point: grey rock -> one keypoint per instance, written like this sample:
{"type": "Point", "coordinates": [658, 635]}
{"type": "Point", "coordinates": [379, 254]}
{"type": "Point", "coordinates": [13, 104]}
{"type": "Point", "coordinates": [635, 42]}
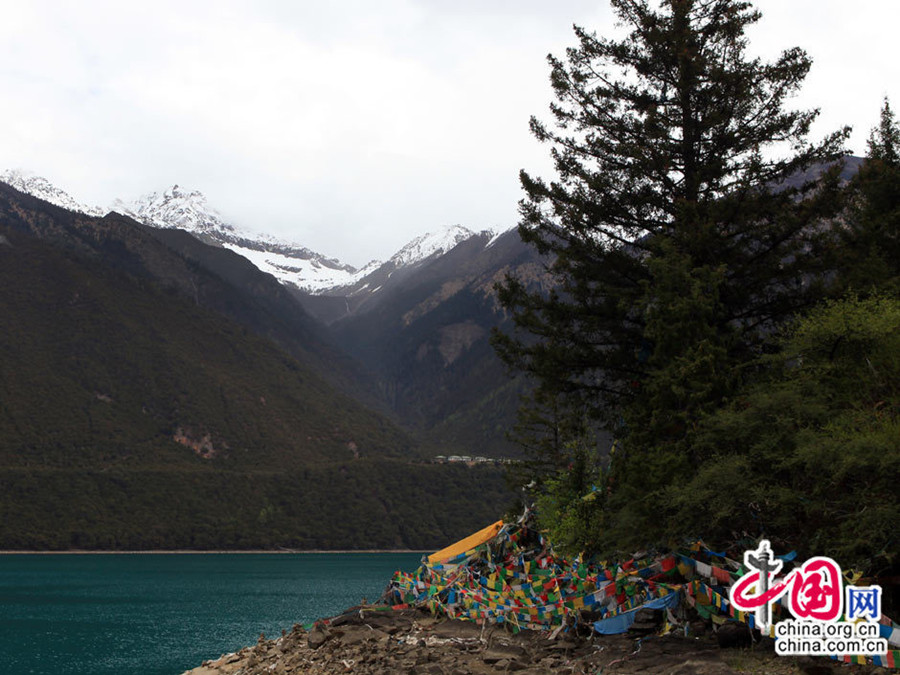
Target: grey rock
{"type": "Point", "coordinates": [700, 666]}
{"type": "Point", "coordinates": [563, 646]}
{"type": "Point", "coordinates": [734, 634]}
{"type": "Point", "coordinates": [697, 627]}
{"type": "Point", "coordinates": [811, 666]}
{"type": "Point", "coordinates": [457, 629]}
{"type": "Point", "coordinates": [317, 637]}
{"type": "Point", "coordinates": [504, 652]}
{"type": "Point", "coordinates": [515, 666]}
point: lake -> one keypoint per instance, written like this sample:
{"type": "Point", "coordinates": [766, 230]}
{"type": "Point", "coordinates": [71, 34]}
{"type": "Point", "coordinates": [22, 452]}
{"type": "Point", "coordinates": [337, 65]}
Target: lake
{"type": "Point", "coordinates": [165, 613]}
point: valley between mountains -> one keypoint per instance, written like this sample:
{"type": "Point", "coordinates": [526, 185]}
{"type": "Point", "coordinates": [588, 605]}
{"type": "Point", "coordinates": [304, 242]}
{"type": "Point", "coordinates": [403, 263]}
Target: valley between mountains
{"type": "Point", "coordinates": [171, 381]}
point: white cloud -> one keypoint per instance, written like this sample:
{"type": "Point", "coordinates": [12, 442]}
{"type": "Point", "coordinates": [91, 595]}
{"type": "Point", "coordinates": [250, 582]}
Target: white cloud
{"type": "Point", "coordinates": [347, 126]}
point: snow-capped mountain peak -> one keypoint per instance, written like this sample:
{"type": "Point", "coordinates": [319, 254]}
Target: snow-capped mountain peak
{"type": "Point", "coordinates": [432, 243]}
{"type": "Point", "coordinates": [176, 207]}
{"type": "Point", "coordinates": [40, 187]}
{"type": "Point", "coordinates": [292, 264]}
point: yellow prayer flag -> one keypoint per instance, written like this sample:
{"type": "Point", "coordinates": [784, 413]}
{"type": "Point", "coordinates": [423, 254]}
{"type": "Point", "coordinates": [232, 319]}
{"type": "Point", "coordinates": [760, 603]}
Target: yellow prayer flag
{"type": "Point", "coordinates": [468, 544]}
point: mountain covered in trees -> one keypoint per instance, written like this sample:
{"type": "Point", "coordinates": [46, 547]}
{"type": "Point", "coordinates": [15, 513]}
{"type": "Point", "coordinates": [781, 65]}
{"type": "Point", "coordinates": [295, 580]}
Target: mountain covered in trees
{"type": "Point", "coordinates": [409, 336]}
{"type": "Point", "coordinates": [159, 392]}
{"type": "Point", "coordinates": [423, 331]}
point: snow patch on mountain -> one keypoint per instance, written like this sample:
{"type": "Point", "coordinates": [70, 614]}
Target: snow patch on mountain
{"type": "Point", "coordinates": [431, 244]}
{"type": "Point", "coordinates": [40, 187]}
{"type": "Point", "coordinates": [497, 233]}
{"type": "Point", "coordinates": [290, 263]}
{"type": "Point", "coordinates": [313, 274]}
{"type": "Point", "coordinates": [176, 208]}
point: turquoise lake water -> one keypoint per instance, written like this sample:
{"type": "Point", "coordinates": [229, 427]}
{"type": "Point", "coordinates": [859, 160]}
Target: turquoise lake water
{"type": "Point", "coordinates": [166, 613]}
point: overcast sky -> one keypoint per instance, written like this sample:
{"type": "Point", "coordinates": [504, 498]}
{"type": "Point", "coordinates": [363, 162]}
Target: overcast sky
{"type": "Point", "coordinates": [348, 126]}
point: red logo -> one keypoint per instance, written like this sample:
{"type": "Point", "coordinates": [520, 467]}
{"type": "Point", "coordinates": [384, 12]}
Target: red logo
{"type": "Point", "coordinates": [816, 588]}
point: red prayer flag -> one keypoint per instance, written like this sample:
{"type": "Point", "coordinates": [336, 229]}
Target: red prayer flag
{"type": "Point", "coordinates": [721, 575]}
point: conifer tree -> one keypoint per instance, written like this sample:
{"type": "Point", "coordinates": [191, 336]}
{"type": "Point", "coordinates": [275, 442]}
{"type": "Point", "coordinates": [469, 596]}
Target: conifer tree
{"type": "Point", "coordinates": [868, 241]}
{"type": "Point", "coordinates": [884, 141]}
{"type": "Point", "coordinates": [676, 239]}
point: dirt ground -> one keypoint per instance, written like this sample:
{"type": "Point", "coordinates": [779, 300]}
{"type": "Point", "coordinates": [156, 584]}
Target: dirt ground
{"type": "Point", "coordinates": [368, 641]}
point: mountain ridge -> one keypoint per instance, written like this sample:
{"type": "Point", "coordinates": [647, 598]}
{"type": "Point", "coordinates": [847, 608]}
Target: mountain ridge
{"type": "Point", "coordinates": [140, 416]}
{"type": "Point", "coordinates": [418, 324]}
{"type": "Point", "coordinates": [291, 263]}
{"type": "Point", "coordinates": [40, 187]}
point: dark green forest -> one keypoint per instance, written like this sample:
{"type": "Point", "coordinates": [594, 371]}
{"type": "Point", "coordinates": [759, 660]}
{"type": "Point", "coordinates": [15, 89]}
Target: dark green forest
{"type": "Point", "coordinates": [107, 363]}
{"type": "Point", "coordinates": [367, 504]}
{"type": "Point", "coordinates": [134, 417]}
{"type": "Point", "coordinates": [726, 302]}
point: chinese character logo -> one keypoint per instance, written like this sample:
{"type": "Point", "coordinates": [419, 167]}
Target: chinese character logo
{"type": "Point", "coordinates": [814, 591]}
{"type": "Point", "coordinates": [863, 603]}
{"type": "Point", "coordinates": [767, 566]}
{"type": "Point", "coordinates": [816, 588]}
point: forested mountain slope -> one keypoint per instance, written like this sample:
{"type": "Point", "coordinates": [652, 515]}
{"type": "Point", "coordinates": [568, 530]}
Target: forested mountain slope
{"type": "Point", "coordinates": [133, 415]}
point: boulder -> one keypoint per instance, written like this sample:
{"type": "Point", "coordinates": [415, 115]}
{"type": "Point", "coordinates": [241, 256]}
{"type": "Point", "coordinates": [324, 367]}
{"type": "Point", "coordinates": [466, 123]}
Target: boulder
{"type": "Point", "coordinates": [496, 653]}
{"type": "Point", "coordinates": [734, 634]}
{"type": "Point", "coordinates": [646, 621]}
{"type": "Point", "coordinates": [318, 636]}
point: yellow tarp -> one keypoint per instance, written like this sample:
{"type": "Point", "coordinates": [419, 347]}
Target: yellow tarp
{"type": "Point", "coordinates": [466, 544]}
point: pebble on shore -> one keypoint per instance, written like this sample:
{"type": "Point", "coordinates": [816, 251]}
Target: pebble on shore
{"type": "Point", "coordinates": [368, 641]}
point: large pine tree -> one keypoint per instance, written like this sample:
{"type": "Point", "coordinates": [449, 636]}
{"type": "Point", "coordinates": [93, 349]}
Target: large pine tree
{"type": "Point", "coordinates": [868, 235]}
{"type": "Point", "coordinates": [676, 228]}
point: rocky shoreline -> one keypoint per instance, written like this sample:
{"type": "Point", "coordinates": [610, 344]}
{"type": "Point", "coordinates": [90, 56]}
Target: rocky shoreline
{"type": "Point", "coordinates": [369, 640]}
{"type": "Point", "coordinates": [191, 551]}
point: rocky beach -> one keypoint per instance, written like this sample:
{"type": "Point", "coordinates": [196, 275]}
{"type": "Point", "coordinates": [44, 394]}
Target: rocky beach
{"type": "Point", "coordinates": [373, 641]}
{"type": "Point", "coordinates": [501, 601]}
